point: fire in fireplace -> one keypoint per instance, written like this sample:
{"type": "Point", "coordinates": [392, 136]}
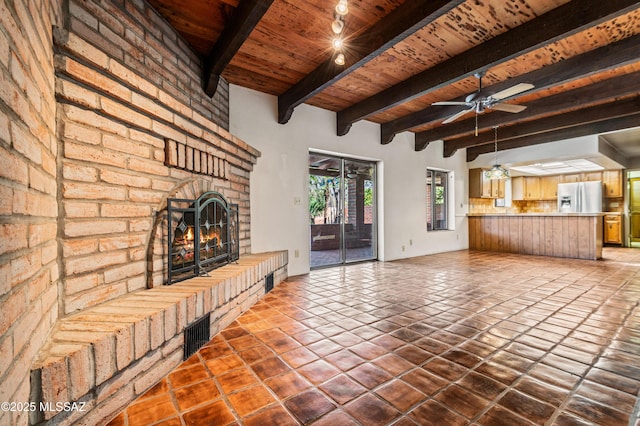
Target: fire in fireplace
{"type": "Point", "coordinates": [203, 235]}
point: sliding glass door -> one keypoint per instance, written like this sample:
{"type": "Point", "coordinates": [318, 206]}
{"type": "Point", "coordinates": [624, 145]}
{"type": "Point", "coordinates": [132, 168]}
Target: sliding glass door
{"type": "Point", "coordinates": [341, 210]}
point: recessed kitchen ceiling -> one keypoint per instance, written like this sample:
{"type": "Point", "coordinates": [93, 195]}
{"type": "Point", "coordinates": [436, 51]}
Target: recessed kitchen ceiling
{"type": "Point", "coordinates": [627, 142]}
{"type": "Point", "coordinates": [558, 167]}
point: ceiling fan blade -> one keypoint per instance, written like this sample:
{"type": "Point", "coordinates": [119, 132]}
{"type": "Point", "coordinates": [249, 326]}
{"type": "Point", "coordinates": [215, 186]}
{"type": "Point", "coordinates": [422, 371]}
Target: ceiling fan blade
{"type": "Point", "coordinates": [450, 103]}
{"type": "Point", "coordinates": [508, 107]}
{"type": "Point", "coordinates": [512, 91]}
{"type": "Point", "coordinates": [456, 116]}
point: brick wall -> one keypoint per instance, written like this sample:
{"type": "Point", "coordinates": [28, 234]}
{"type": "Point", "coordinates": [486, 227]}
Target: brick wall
{"type": "Point", "coordinates": [128, 86]}
{"type": "Point", "coordinates": [29, 272]}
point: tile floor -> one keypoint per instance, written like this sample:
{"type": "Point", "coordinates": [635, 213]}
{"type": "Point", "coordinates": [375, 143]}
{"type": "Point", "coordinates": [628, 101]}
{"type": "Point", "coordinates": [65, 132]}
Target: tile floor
{"type": "Point", "coordinates": [450, 339]}
{"type": "Point", "coordinates": [321, 258]}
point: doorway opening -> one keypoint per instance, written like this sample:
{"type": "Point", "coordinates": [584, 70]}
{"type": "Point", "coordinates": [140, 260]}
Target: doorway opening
{"type": "Point", "coordinates": [634, 211]}
{"type": "Point", "coordinates": [342, 214]}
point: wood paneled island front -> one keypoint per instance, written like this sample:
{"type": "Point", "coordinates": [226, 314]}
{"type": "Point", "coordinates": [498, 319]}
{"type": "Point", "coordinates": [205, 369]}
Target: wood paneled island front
{"type": "Point", "coordinates": [574, 235]}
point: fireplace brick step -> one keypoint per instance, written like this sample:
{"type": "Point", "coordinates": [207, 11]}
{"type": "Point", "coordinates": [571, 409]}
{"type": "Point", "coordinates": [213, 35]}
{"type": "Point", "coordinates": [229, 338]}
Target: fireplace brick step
{"type": "Point", "coordinates": [103, 355]}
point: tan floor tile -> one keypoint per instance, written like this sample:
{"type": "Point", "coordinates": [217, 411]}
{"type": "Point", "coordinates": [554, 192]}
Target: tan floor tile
{"type": "Point", "coordinates": [400, 395]}
{"type": "Point", "coordinates": [190, 396]}
{"type": "Point", "coordinates": [309, 405]}
{"type": "Point", "coordinates": [237, 379]}
{"type": "Point", "coordinates": [250, 400]}
{"type": "Point", "coordinates": [371, 410]}
{"type": "Point", "coordinates": [288, 384]}
{"type": "Point", "coordinates": [215, 413]}
{"type": "Point", "coordinates": [151, 410]}
{"type": "Point", "coordinates": [186, 376]}
{"type": "Point", "coordinates": [318, 371]}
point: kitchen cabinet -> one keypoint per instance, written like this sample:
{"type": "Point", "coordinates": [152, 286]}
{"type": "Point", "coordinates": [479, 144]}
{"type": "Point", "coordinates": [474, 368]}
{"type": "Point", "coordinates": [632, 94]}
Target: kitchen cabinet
{"type": "Point", "coordinates": [479, 184]}
{"type": "Point", "coordinates": [612, 180]}
{"type": "Point", "coordinates": [591, 176]}
{"type": "Point", "coordinates": [549, 187]}
{"type": "Point", "coordinates": [525, 188]}
{"type": "Point", "coordinates": [612, 229]}
{"type": "Point", "coordinates": [497, 188]}
{"type": "Point", "coordinates": [571, 177]}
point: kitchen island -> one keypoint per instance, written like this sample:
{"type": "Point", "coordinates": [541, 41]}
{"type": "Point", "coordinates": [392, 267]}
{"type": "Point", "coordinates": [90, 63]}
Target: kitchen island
{"type": "Point", "coordinates": [573, 235]}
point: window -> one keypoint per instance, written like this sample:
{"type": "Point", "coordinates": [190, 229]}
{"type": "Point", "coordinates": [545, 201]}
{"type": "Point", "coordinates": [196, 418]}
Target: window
{"type": "Point", "coordinates": [437, 200]}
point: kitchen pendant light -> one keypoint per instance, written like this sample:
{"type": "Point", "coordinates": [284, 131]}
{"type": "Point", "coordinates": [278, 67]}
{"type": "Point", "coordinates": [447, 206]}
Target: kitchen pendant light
{"type": "Point", "coordinates": [496, 171]}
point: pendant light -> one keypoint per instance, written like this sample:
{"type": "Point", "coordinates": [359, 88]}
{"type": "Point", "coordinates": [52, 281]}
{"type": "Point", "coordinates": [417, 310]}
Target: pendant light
{"type": "Point", "coordinates": [496, 171]}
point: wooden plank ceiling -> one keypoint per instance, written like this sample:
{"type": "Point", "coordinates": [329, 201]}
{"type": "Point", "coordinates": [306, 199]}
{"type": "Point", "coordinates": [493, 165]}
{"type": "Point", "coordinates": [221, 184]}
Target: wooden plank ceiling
{"type": "Point", "coordinates": [582, 56]}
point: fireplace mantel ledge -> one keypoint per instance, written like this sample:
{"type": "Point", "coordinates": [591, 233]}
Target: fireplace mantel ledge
{"type": "Point", "coordinates": [108, 354]}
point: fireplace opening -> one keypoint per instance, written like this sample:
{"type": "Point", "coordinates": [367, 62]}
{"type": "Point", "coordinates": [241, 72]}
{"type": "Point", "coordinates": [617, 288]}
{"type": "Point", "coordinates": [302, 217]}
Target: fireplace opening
{"type": "Point", "coordinates": [203, 235]}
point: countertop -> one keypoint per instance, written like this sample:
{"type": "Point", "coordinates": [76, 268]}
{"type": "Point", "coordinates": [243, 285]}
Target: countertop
{"type": "Point", "coordinates": [539, 214]}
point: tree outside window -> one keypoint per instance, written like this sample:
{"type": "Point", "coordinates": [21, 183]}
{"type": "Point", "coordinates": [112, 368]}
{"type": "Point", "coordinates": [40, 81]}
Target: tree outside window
{"type": "Point", "coordinates": [437, 200]}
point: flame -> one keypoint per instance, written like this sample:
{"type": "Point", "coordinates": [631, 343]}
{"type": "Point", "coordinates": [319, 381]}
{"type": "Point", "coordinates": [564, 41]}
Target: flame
{"type": "Point", "coordinates": [189, 235]}
{"type": "Point", "coordinates": [215, 236]}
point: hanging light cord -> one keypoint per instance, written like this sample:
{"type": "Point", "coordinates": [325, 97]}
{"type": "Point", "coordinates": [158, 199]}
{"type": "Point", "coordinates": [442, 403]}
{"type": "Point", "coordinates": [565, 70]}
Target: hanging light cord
{"type": "Point", "coordinates": [495, 144]}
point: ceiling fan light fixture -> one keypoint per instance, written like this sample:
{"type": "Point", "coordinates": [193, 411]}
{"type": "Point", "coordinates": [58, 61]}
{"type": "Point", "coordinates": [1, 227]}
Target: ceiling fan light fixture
{"type": "Point", "coordinates": [477, 104]}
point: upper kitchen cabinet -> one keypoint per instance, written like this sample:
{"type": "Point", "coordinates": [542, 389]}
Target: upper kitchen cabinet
{"type": "Point", "coordinates": [482, 187]}
{"type": "Point", "coordinates": [549, 187]}
{"type": "Point", "coordinates": [497, 188]}
{"type": "Point", "coordinates": [571, 177]}
{"type": "Point", "coordinates": [612, 180]}
{"type": "Point", "coordinates": [591, 176]}
{"type": "Point", "coordinates": [479, 184]}
{"type": "Point", "coordinates": [525, 188]}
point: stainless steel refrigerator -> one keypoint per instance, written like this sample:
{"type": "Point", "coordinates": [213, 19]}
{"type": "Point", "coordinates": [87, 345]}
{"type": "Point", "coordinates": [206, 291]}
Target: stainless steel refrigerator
{"type": "Point", "coordinates": [580, 197]}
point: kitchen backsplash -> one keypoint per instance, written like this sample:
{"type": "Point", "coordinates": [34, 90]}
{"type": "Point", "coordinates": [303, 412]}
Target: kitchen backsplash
{"type": "Point", "coordinates": [487, 205]}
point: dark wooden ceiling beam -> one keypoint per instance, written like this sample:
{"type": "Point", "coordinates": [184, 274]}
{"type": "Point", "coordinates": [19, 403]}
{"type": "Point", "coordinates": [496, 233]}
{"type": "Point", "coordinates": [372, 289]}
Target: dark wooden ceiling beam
{"type": "Point", "coordinates": [605, 58]}
{"type": "Point", "coordinates": [399, 24]}
{"type": "Point", "coordinates": [243, 21]}
{"type": "Point", "coordinates": [582, 97]}
{"type": "Point", "coordinates": [594, 120]}
{"type": "Point", "coordinates": [558, 23]}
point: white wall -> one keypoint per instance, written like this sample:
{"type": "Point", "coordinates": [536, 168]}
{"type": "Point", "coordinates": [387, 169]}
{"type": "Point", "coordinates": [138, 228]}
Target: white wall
{"type": "Point", "coordinates": [279, 213]}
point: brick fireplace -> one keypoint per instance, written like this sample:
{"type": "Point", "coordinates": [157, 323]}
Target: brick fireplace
{"type": "Point", "coordinates": [108, 123]}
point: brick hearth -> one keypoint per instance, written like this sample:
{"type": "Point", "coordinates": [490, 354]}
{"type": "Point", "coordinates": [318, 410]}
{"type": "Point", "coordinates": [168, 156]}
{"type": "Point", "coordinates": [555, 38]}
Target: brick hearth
{"type": "Point", "coordinates": [108, 354]}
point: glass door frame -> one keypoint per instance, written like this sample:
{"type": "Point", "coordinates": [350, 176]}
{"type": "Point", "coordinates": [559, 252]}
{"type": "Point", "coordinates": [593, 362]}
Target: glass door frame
{"type": "Point", "coordinates": [632, 241]}
{"type": "Point", "coordinates": [344, 179]}
{"type": "Point", "coordinates": [374, 222]}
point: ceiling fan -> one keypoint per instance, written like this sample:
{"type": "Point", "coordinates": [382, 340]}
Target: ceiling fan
{"type": "Point", "coordinates": [478, 104]}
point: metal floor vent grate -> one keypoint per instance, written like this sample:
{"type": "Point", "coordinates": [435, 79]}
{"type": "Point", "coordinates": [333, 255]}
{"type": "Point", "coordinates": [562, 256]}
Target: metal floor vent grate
{"type": "Point", "coordinates": [268, 283]}
{"type": "Point", "coordinates": [196, 336]}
